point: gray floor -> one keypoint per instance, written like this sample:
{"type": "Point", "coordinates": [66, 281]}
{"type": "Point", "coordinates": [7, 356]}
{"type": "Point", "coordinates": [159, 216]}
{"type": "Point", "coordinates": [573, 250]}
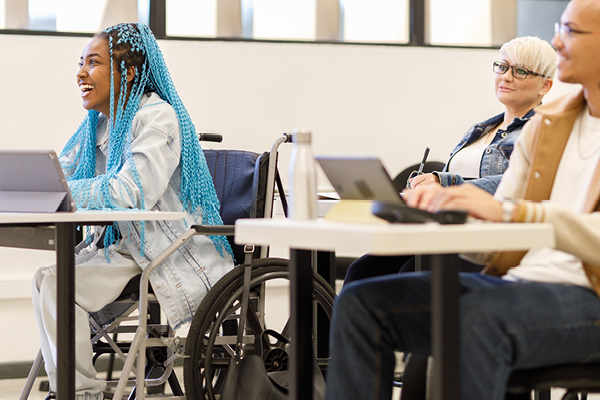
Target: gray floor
{"type": "Point", "coordinates": [10, 389]}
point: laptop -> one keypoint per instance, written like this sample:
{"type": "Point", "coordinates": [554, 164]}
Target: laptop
{"type": "Point", "coordinates": [33, 181]}
{"type": "Point", "coordinates": [365, 178]}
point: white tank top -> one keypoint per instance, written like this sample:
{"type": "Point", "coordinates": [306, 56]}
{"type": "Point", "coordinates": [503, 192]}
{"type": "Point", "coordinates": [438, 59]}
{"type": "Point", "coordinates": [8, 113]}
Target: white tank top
{"type": "Point", "coordinates": [466, 162]}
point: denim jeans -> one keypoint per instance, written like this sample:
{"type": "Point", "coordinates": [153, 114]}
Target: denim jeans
{"type": "Point", "coordinates": [503, 326]}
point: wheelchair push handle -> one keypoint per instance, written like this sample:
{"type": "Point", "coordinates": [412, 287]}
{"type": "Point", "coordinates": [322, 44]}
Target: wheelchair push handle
{"type": "Point", "coordinates": [210, 137]}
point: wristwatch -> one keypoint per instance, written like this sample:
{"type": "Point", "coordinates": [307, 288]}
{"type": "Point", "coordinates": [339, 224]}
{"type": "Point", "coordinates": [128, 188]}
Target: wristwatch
{"type": "Point", "coordinates": [508, 207]}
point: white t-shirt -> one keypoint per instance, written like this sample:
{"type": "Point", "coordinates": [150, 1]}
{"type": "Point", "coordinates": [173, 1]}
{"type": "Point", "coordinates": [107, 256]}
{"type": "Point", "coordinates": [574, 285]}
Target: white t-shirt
{"type": "Point", "coordinates": [466, 162]}
{"type": "Point", "coordinates": [573, 177]}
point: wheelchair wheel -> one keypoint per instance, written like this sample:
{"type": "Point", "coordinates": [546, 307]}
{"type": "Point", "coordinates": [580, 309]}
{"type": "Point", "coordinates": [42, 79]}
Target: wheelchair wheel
{"type": "Point", "coordinates": [211, 339]}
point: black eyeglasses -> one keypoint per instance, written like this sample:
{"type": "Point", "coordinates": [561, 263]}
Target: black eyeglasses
{"type": "Point", "coordinates": [517, 72]}
{"type": "Point", "coordinates": [562, 31]}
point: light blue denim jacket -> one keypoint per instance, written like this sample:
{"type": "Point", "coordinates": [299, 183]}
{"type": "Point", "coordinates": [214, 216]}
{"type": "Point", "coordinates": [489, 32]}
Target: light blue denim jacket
{"type": "Point", "coordinates": [495, 157]}
{"type": "Point", "coordinates": [181, 282]}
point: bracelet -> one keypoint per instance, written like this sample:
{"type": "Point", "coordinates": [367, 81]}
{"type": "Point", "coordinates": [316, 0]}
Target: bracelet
{"type": "Point", "coordinates": [520, 214]}
{"type": "Point", "coordinates": [508, 207]}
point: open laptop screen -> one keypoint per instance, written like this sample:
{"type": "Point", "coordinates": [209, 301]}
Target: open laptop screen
{"type": "Point", "coordinates": [365, 178]}
{"type": "Point", "coordinates": [359, 178]}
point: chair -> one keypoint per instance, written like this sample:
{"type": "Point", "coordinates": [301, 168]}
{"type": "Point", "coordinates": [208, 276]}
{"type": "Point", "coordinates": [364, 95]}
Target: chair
{"type": "Point", "coordinates": [430, 166]}
{"type": "Point", "coordinates": [245, 184]}
{"type": "Point", "coordinates": [576, 378]}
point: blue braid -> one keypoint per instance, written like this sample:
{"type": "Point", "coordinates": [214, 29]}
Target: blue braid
{"type": "Point", "coordinates": [197, 192]}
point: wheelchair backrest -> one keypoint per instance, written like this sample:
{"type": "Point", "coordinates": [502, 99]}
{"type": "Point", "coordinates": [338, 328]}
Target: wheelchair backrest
{"type": "Point", "coordinates": [240, 179]}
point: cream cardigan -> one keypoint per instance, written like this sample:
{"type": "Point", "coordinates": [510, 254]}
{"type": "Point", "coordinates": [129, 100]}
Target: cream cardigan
{"type": "Point", "coordinates": [530, 177]}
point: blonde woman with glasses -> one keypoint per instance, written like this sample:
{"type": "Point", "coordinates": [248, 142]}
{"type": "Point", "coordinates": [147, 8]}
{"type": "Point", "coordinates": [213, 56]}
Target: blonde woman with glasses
{"type": "Point", "coordinates": [524, 75]}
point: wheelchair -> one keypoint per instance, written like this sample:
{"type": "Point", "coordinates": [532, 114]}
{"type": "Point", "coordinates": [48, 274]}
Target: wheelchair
{"type": "Point", "coordinates": [245, 183]}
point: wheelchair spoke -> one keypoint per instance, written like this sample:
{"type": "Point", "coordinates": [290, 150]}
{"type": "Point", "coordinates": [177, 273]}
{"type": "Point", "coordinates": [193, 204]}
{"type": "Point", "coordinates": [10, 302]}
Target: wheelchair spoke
{"type": "Point", "coordinates": [211, 341]}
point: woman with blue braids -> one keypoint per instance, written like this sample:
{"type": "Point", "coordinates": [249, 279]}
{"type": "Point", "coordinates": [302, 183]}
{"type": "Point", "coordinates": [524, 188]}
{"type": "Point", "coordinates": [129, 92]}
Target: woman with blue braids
{"type": "Point", "coordinates": [137, 148]}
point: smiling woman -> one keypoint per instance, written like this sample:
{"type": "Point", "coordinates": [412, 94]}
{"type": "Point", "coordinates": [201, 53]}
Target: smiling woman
{"type": "Point", "coordinates": [137, 148]}
{"type": "Point", "coordinates": [93, 76]}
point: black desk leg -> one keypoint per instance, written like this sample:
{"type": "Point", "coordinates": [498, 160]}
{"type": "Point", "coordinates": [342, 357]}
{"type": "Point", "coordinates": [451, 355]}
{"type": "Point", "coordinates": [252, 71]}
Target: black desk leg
{"type": "Point", "coordinates": [325, 268]}
{"type": "Point", "coordinates": [301, 324]}
{"type": "Point", "coordinates": [444, 324]}
{"type": "Point", "coordinates": [65, 268]}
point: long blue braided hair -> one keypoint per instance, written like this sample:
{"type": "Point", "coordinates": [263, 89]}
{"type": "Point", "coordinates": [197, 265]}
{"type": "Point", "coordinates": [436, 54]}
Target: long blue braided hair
{"type": "Point", "coordinates": [133, 44]}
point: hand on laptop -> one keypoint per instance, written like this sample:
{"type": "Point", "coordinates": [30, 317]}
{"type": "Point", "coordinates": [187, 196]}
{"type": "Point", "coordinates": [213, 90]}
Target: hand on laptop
{"type": "Point", "coordinates": [423, 179]}
{"type": "Point", "coordinates": [477, 202]}
{"type": "Point", "coordinates": [422, 196]}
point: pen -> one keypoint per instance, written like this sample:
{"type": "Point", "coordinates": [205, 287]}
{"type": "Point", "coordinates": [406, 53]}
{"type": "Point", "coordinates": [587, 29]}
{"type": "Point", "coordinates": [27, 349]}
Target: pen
{"type": "Point", "coordinates": [420, 171]}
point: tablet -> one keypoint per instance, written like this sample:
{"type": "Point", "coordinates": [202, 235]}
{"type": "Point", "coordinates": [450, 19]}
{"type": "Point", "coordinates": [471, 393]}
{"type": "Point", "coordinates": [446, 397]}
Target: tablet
{"type": "Point", "coordinates": [33, 181]}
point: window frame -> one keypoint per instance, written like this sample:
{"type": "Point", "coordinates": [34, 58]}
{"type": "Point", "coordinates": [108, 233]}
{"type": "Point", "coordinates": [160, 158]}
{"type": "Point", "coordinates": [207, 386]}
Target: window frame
{"type": "Point", "coordinates": [157, 22]}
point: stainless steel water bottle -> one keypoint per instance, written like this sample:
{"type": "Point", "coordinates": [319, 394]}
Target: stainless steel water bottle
{"type": "Point", "coordinates": [302, 177]}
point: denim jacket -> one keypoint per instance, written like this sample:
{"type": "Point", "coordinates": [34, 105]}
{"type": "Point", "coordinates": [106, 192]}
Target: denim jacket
{"type": "Point", "coordinates": [495, 157]}
{"type": "Point", "coordinates": [181, 282]}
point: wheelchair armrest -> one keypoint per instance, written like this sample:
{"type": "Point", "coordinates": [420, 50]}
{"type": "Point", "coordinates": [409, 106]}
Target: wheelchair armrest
{"type": "Point", "coordinates": [214, 229]}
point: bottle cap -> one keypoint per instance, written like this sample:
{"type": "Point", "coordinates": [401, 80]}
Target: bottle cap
{"type": "Point", "coordinates": [301, 135]}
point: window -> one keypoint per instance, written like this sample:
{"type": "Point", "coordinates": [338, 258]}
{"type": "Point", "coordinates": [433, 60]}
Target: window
{"type": "Point", "coordinates": [491, 22]}
{"type": "Point", "coordinates": [88, 16]}
{"type": "Point", "coordinates": [2, 14]}
{"type": "Point", "coordinates": [372, 21]}
{"type": "Point", "coordinates": [455, 22]}
{"type": "Point", "coordinates": [463, 22]}
{"type": "Point", "coordinates": [375, 21]}
{"type": "Point", "coordinates": [284, 19]}
{"type": "Point", "coordinates": [69, 17]}
{"type": "Point", "coordinates": [42, 15]}
{"type": "Point", "coordinates": [192, 18]}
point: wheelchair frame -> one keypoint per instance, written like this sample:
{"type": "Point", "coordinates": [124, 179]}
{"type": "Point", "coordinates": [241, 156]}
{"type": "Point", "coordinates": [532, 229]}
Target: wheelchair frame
{"type": "Point", "coordinates": [136, 357]}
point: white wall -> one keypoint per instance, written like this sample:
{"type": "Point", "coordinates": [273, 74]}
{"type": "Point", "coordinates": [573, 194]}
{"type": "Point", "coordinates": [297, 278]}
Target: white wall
{"type": "Point", "coordinates": [361, 100]}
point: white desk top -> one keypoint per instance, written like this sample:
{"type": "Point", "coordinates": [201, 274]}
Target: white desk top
{"type": "Point", "coordinates": [88, 216]}
{"type": "Point", "coordinates": [390, 239]}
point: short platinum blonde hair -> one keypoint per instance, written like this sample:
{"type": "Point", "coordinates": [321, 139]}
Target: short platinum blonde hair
{"type": "Point", "coordinates": [533, 53]}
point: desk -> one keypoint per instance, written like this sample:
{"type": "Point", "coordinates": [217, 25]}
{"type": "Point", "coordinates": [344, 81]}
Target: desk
{"type": "Point", "coordinates": [64, 245]}
{"type": "Point", "coordinates": [387, 239]}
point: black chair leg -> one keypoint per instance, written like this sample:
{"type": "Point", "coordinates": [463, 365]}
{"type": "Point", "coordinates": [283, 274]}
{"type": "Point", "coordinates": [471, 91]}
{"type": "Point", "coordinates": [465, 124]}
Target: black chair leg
{"type": "Point", "coordinates": [574, 395]}
{"type": "Point", "coordinates": [543, 394]}
{"type": "Point", "coordinates": [174, 385]}
{"type": "Point", "coordinates": [414, 379]}
{"type": "Point", "coordinates": [524, 396]}
{"type": "Point", "coordinates": [132, 395]}
{"type": "Point", "coordinates": [154, 368]}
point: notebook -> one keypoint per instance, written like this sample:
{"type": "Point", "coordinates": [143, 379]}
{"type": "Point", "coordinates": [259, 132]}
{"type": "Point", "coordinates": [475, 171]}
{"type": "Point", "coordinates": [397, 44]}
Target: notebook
{"type": "Point", "coordinates": [33, 181]}
{"type": "Point", "coordinates": [365, 178]}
